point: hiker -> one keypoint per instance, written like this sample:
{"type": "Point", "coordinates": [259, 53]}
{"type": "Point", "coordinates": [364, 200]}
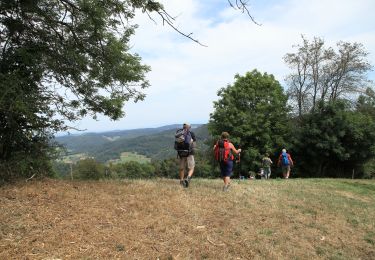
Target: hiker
{"type": "Point", "coordinates": [184, 144]}
{"type": "Point", "coordinates": [224, 151]}
{"type": "Point", "coordinates": [285, 161]}
{"type": "Point", "coordinates": [266, 165]}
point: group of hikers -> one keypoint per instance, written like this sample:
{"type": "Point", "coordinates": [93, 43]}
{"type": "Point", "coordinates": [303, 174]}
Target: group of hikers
{"type": "Point", "coordinates": [224, 151]}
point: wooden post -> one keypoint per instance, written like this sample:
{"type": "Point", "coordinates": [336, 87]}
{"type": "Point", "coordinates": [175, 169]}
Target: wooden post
{"type": "Point", "coordinates": [353, 174]}
{"type": "Point", "coordinates": [71, 171]}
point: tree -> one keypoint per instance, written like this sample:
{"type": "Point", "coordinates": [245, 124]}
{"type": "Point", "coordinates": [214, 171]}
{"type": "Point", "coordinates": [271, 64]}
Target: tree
{"type": "Point", "coordinates": [366, 102]}
{"type": "Point", "coordinates": [133, 170]}
{"type": "Point", "coordinates": [88, 169]}
{"type": "Point", "coordinates": [62, 60]}
{"type": "Point", "coordinates": [366, 105]}
{"type": "Point", "coordinates": [323, 74]}
{"type": "Point", "coordinates": [334, 140]}
{"type": "Point", "coordinates": [254, 111]}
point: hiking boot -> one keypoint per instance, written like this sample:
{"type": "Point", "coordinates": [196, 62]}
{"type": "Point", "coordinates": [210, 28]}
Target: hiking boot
{"type": "Point", "coordinates": [182, 183]}
{"type": "Point", "coordinates": [226, 187]}
{"type": "Point", "coordinates": [187, 181]}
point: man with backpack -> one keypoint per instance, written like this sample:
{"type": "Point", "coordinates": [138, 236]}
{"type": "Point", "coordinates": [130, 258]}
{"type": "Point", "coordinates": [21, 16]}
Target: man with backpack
{"type": "Point", "coordinates": [224, 154]}
{"type": "Point", "coordinates": [185, 142]}
{"type": "Point", "coordinates": [285, 161]}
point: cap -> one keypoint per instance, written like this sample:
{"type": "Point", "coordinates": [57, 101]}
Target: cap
{"type": "Point", "coordinates": [187, 124]}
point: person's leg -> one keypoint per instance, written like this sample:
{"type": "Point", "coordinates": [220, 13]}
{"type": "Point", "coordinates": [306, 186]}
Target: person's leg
{"type": "Point", "coordinates": [288, 172]}
{"type": "Point", "coordinates": [191, 165]}
{"type": "Point", "coordinates": [182, 169]}
{"type": "Point", "coordinates": [265, 170]}
{"type": "Point", "coordinates": [226, 180]}
{"type": "Point", "coordinates": [284, 171]}
{"type": "Point", "coordinates": [227, 172]}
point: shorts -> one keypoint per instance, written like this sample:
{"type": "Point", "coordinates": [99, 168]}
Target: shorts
{"type": "Point", "coordinates": [226, 168]}
{"type": "Point", "coordinates": [267, 171]}
{"type": "Point", "coordinates": [285, 168]}
{"type": "Point", "coordinates": [188, 162]}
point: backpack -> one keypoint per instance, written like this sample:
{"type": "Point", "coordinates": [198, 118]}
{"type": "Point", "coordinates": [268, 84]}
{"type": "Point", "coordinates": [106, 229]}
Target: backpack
{"type": "Point", "coordinates": [223, 152]}
{"type": "Point", "coordinates": [266, 162]}
{"type": "Point", "coordinates": [182, 143]}
{"type": "Point", "coordinates": [284, 159]}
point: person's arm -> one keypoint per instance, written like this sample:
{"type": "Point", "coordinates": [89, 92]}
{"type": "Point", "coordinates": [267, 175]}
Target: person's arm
{"type": "Point", "coordinates": [234, 149]}
{"type": "Point", "coordinates": [193, 136]}
{"type": "Point", "coordinates": [194, 141]}
{"type": "Point", "coordinates": [290, 160]}
{"type": "Point", "coordinates": [279, 161]}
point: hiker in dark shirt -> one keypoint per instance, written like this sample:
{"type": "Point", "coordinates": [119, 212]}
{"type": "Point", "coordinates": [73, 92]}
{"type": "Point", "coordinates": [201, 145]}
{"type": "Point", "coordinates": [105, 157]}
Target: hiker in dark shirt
{"type": "Point", "coordinates": [185, 152]}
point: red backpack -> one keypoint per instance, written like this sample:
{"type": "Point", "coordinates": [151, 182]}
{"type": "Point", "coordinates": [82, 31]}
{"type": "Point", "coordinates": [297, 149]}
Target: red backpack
{"type": "Point", "coordinates": [223, 152]}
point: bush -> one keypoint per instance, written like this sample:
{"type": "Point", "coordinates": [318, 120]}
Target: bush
{"type": "Point", "coordinates": [369, 169]}
{"type": "Point", "coordinates": [88, 169]}
{"type": "Point", "coordinates": [132, 170]}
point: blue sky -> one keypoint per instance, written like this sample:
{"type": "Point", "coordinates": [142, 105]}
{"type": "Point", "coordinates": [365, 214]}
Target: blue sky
{"type": "Point", "coordinates": [185, 76]}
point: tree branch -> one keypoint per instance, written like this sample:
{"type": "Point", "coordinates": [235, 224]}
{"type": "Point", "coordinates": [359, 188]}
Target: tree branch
{"type": "Point", "coordinates": [168, 19]}
{"type": "Point", "coordinates": [242, 5]}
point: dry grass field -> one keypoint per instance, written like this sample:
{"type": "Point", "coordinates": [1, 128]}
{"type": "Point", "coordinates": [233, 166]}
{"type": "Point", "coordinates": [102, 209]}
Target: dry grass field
{"type": "Point", "coordinates": [158, 219]}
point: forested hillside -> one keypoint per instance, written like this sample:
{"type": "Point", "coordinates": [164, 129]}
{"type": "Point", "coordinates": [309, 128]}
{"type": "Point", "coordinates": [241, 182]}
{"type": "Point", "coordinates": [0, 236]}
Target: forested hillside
{"type": "Point", "coordinates": [155, 143]}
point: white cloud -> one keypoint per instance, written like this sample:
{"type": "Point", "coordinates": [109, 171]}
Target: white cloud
{"type": "Point", "coordinates": [185, 76]}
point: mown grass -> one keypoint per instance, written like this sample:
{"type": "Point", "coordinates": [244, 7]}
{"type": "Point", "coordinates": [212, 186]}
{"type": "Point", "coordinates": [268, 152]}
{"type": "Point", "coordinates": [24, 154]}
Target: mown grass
{"type": "Point", "coordinates": [139, 219]}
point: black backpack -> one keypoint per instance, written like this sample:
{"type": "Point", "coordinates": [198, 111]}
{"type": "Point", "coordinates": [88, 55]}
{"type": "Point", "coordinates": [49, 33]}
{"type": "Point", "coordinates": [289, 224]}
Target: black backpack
{"type": "Point", "coordinates": [183, 142]}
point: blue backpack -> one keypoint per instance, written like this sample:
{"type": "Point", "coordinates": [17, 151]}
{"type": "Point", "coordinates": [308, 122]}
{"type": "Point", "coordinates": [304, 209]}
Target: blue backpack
{"type": "Point", "coordinates": [284, 159]}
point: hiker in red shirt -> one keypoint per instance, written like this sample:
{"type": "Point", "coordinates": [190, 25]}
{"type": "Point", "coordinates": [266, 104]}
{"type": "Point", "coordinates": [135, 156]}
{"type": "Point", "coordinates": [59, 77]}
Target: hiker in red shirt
{"type": "Point", "coordinates": [285, 161]}
{"type": "Point", "coordinates": [224, 154]}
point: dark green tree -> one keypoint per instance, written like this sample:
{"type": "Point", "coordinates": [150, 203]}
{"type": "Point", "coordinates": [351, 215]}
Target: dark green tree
{"type": "Point", "coordinates": [334, 140]}
{"type": "Point", "coordinates": [88, 169]}
{"type": "Point", "coordinates": [366, 105]}
{"type": "Point", "coordinates": [61, 60]}
{"type": "Point", "coordinates": [133, 170]}
{"type": "Point", "coordinates": [254, 112]}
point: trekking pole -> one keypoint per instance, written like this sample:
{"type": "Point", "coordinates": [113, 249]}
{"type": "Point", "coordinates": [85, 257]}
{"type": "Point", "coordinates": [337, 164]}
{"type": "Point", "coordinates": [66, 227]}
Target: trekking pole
{"type": "Point", "coordinates": [239, 164]}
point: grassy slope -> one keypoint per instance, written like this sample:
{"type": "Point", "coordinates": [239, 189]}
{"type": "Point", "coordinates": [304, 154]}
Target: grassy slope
{"type": "Point", "coordinates": [277, 219]}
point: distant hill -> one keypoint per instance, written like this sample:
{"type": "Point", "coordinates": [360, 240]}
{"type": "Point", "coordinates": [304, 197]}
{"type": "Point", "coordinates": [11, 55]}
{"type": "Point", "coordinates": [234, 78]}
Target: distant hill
{"type": "Point", "coordinates": [155, 143]}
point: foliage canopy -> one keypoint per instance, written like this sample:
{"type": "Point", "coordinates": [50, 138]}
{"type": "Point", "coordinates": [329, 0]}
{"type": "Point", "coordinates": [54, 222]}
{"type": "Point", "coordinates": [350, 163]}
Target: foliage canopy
{"type": "Point", "coordinates": [61, 60]}
{"type": "Point", "coordinates": [254, 112]}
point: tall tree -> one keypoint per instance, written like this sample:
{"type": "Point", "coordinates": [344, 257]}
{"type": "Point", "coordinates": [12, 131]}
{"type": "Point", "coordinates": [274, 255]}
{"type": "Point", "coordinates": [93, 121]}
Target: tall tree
{"type": "Point", "coordinates": [333, 140]}
{"type": "Point", "coordinates": [62, 60]}
{"type": "Point", "coordinates": [254, 111]}
{"type": "Point", "coordinates": [325, 74]}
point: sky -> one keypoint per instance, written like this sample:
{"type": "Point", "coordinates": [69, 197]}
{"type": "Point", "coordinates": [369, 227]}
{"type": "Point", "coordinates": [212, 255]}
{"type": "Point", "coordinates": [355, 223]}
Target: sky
{"type": "Point", "coordinates": [186, 76]}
